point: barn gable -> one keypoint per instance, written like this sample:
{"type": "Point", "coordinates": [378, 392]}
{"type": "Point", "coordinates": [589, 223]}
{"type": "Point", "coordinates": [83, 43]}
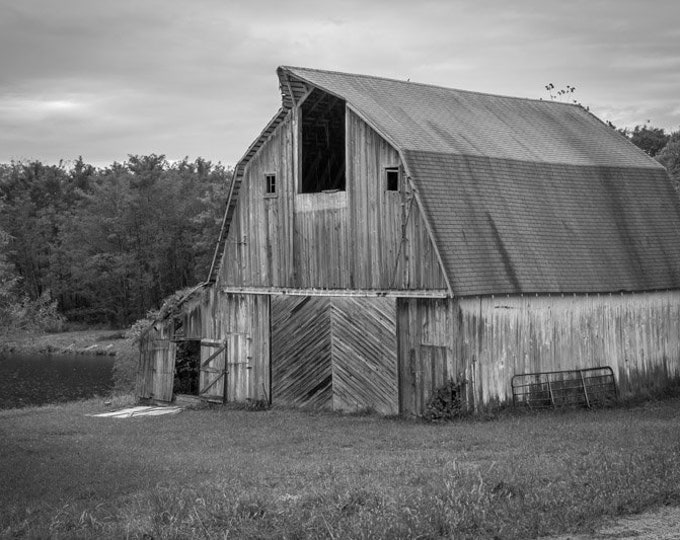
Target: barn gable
{"type": "Point", "coordinates": [341, 214]}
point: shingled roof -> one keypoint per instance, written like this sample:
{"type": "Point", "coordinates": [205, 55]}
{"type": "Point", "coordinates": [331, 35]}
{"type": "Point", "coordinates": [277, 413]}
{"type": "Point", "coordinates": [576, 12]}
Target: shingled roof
{"type": "Point", "coordinates": [522, 196]}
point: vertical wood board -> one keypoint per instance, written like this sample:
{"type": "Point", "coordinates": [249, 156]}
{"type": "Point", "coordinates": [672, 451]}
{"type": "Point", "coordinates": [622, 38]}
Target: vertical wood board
{"type": "Point", "coordinates": [427, 356]}
{"type": "Point", "coordinates": [638, 335]}
{"type": "Point", "coordinates": [363, 238]}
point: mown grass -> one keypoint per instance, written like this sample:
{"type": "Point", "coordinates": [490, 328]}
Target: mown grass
{"type": "Point", "coordinates": [221, 473]}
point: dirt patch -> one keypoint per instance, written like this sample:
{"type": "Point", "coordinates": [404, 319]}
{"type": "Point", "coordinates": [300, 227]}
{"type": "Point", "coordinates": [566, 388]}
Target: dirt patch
{"type": "Point", "coordinates": [659, 524]}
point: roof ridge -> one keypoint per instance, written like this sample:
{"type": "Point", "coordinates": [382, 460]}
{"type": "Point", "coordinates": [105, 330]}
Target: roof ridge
{"type": "Point", "coordinates": [428, 85]}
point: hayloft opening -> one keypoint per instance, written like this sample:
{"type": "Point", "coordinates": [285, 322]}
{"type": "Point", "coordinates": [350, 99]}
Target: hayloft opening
{"type": "Point", "coordinates": [323, 143]}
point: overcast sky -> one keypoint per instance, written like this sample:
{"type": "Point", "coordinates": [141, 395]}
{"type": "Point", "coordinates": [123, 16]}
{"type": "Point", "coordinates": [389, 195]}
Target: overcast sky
{"type": "Point", "coordinates": [108, 78]}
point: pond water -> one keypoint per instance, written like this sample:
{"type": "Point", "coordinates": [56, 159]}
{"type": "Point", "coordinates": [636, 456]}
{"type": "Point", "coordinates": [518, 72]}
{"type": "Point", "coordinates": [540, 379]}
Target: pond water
{"type": "Point", "coordinates": [38, 379]}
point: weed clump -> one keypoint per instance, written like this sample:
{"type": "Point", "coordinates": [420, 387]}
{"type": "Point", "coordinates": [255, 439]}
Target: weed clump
{"type": "Point", "coordinates": [447, 403]}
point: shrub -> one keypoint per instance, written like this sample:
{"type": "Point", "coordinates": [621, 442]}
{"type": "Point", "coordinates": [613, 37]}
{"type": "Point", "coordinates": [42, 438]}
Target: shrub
{"type": "Point", "coordinates": [39, 315]}
{"type": "Point", "coordinates": [447, 402]}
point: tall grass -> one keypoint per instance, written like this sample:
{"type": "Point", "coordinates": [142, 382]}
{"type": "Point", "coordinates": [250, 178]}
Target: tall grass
{"type": "Point", "coordinates": [219, 473]}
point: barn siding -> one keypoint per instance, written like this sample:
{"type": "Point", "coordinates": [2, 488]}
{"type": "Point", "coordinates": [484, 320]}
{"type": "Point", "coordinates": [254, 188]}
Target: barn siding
{"type": "Point", "coordinates": [241, 322]}
{"type": "Point", "coordinates": [338, 353]}
{"type": "Point", "coordinates": [364, 353]}
{"type": "Point", "coordinates": [301, 351]}
{"type": "Point", "coordinates": [427, 356]}
{"type": "Point", "coordinates": [638, 335]}
{"type": "Point", "coordinates": [155, 376]}
{"type": "Point", "coordinates": [361, 238]}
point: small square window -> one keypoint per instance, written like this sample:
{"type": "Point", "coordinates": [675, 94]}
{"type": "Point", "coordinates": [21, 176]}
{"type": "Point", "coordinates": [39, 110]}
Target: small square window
{"type": "Point", "coordinates": [392, 178]}
{"type": "Point", "coordinates": [270, 184]}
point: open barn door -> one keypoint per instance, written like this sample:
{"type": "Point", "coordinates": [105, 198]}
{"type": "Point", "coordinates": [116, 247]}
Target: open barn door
{"type": "Point", "coordinates": [156, 370]}
{"type": "Point", "coordinates": [163, 368]}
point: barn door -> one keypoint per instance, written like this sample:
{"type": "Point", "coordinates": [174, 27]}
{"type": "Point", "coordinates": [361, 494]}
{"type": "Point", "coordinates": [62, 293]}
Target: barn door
{"type": "Point", "coordinates": [301, 351]}
{"type": "Point", "coordinates": [213, 370]}
{"type": "Point", "coordinates": [364, 352]}
{"type": "Point", "coordinates": [424, 373]}
{"type": "Point", "coordinates": [225, 368]}
{"type": "Point", "coordinates": [163, 369]}
{"type": "Point", "coordinates": [426, 353]}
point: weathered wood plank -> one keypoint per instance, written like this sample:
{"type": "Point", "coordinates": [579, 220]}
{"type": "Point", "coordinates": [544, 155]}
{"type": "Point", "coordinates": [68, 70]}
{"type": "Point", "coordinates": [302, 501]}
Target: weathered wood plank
{"type": "Point", "coordinates": [638, 335]}
{"type": "Point", "coordinates": [428, 355]}
{"type": "Point", "coordinates": [301, 351]}
{"type": "Point", "coordinates": [212, 373]}
{"type": "Point", "coordinates": [358, 239]}
{"type": "Point", "coordinates": [364, 354]}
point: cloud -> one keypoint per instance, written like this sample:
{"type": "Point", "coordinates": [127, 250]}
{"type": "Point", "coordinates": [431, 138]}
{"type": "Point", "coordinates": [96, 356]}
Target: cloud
{"type": "Point", "coordinates": [105, 79]}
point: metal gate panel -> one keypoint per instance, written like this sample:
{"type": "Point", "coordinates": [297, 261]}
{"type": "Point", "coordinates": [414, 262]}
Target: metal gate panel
{"type": "Point", "coordinates": [589, 387]}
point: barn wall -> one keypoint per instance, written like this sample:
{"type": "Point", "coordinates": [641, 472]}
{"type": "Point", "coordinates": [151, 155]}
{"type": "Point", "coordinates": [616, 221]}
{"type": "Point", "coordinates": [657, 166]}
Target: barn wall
{"type": "Point", "coordinates": [361, 238]}
{"type": "Point", "coordinates": [259, 247]}
{"type": "Point", "coordinates": [638, 335]}
{"type": "Point", "coordinates": [241, 322]}
{"type": "Point", "coordinates": [390, 245]}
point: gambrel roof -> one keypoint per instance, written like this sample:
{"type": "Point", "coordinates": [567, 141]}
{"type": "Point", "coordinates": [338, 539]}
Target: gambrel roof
{"type": "Point", "coordinates": [522, 196]}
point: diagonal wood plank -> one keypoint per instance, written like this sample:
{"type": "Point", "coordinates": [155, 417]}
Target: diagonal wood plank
{"type": "Point", "coordinates": [364, 352]}
{"type": "Point", "coordinates": [301, 351]}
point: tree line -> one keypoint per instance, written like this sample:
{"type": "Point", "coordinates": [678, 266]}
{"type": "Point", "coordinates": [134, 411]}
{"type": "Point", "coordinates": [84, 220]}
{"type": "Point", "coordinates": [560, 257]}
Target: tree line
{"type": "Point", "coordinates": [104, 245]}
{"type": "Point", "coordinates": [662, 146]}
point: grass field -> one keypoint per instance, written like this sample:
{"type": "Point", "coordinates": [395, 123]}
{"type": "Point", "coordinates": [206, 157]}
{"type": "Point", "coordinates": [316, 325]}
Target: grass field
{"type": "Point", "coordinates": [224, 473]}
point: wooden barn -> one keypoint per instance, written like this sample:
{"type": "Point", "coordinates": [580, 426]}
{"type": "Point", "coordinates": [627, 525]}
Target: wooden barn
{"type": "Point", "coordinates": [383, 237]}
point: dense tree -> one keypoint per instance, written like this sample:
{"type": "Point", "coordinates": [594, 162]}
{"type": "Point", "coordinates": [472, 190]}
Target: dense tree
{"type": "Point", "coordinates": [669, 157]}
{"type": "Point", "coordinates": [648, 138]}
{"type": "Point", "coordinates": [110, 243]}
